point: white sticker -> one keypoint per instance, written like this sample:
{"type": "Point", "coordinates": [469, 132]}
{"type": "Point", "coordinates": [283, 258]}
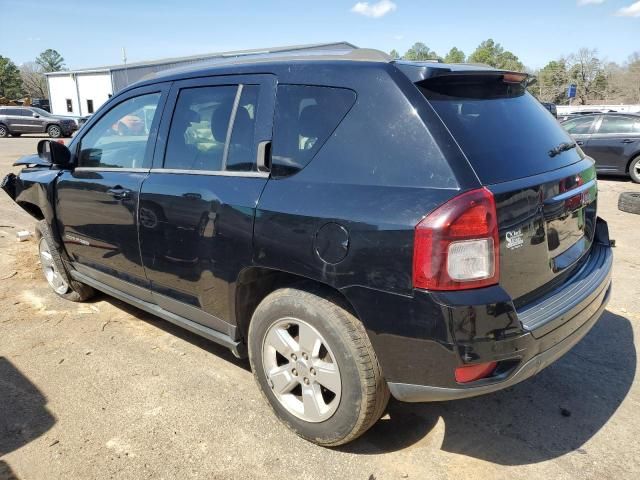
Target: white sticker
{"type": "Point", "coordinates": [514, 239]}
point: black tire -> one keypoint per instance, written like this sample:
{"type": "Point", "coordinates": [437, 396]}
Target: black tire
{"type": "Point", "coordinates": [4, 131]}
{"type": "Point", "coordinates": [364, 392]}
{"type": "Point", "coordinates": [76, 292]}
{"type": "Point", "coordinates": [54, 131]}
{"type": "Point", "coordinates": [634, 169]}
{"type": "Point", "coordinates": [16, 134]}
{"type": "Point", "coordinates": [629, 202]}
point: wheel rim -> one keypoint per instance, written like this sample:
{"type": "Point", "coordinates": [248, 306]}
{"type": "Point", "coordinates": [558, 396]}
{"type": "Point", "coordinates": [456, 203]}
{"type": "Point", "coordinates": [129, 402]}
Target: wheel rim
{"type": "Point", "coordinates": [54, 131]}
{"type": "Point", "coordinates": [3, 131]}
{"type": "Point", "coordinates": [636, 168]}
{"type": "Point", "coordinates": [301, 370]}
{"type": "Point", "coordinates": [51, 273]}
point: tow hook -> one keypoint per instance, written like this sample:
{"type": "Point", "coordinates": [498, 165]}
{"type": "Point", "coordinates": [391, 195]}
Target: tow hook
{"type": "Point", "coordinates": [9, 185]}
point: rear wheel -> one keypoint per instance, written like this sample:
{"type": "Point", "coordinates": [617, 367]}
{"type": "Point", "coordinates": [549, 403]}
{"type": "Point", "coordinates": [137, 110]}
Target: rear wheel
{"type": "Point", "coordinates": [54, 270]}
{"type": "Point", "coordinates": [54, 131]}
{"type": "Point", "coordinates": [4, 131]}
{"type": "Point", "coordinates": [634, 169]}
{"type": "Point", "coordinates": [315, 365]}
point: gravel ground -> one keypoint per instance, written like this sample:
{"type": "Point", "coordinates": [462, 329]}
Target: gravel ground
{"type": "Point", "coordinates": [103, 390]}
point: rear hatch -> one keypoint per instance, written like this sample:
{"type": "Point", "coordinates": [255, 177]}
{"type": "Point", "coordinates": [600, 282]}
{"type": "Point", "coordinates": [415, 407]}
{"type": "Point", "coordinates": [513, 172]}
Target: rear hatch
{"type": "Point", "coordinates": [544, 187]}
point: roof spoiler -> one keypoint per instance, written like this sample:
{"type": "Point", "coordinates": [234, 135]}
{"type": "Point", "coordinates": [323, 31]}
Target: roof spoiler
{"type": "Point", "coordinates": [420, 72]}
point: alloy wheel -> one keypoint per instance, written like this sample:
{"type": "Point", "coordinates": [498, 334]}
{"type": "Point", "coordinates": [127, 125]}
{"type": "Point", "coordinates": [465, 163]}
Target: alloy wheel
{"type": "Point", "coordinates": [51, 273]}
{"type": "Point", "coordinates": [301, 370]}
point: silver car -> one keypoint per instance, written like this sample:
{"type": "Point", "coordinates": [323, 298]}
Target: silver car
{"type": "Point", "coordinates": [15, 121]}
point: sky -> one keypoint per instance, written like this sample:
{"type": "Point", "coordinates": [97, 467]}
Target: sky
{"type": "Point", "coordinates": [92, 33]}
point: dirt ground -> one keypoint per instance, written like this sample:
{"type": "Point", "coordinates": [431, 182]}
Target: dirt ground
{"type": "Point", "coordinates": [103, 390]}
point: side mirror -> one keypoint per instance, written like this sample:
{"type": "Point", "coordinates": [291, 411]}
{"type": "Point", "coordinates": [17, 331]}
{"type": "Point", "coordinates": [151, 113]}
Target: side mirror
{"type": "Point", "coordinates": [54, 153]}
{"type": "Point", "coordinates": [35, 115]}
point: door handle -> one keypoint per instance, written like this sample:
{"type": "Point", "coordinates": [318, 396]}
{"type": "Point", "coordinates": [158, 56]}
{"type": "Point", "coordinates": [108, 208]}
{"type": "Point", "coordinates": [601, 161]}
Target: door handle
{"type": "Point", "coordinates": [119, 193]}
{"type": "Point", "coordinates": [628, 140]}
{"type": "Point", "coordinates": [579, 142]}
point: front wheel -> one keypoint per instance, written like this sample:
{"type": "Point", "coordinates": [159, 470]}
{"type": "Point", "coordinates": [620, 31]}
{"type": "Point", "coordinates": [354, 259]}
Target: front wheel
{"type": "Point", "coordinates": [316, 367]}
{"type": "Point", "coordinates": [54, 270]}
{"type": "Point", "coordinates": [54, 131]}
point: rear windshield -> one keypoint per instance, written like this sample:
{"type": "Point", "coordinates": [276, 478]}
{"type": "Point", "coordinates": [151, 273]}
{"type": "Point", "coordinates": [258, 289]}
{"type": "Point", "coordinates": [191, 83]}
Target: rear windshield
{"type": "Point", "coordinates": [503, 130]}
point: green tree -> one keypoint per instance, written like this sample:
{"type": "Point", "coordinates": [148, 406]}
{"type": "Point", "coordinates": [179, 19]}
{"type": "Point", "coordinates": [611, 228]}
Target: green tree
{"type": "Point", "coordinates": [10, 81]}
{"type": "Point", "coordinates": [50, 61]}
{"type": "Point", "coordinates": [552, 82]}
{"type": "Point", "coordinates": [394, 54]}
{"type": "Point", "coordinates": [454, 56]}
{"type": "Point", "coordinates": [419, 51]}
{"type": "Point", "coordinates": [493, 54]}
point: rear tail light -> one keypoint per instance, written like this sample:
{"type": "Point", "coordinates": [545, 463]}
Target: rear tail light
{"type": "Point", "coordinates": [456, 247]}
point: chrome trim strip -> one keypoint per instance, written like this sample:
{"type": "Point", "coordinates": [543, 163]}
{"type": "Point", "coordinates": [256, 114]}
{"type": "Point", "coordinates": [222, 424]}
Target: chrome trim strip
{"type": "Point", "coordinates": [219, 173]}
{"type": "Point", "coordinates": [111, 169]}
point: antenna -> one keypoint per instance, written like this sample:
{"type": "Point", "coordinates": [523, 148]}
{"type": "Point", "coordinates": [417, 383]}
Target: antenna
{"type": "Point", "coordinates": [124, 60]}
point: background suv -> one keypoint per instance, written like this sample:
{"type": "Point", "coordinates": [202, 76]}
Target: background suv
{"type": "Point", "coordinates": [357, 227]}
{"type": "Point", "coordinates": [15, 121]}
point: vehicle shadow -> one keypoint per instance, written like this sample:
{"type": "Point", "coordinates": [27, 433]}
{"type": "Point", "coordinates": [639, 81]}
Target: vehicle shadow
{"type": "Point", "coordinates": [23, 412]}
{"type": "Point", "coordinates": [545, 417]}
{"type": "Point", "coordinates": [170, 328]}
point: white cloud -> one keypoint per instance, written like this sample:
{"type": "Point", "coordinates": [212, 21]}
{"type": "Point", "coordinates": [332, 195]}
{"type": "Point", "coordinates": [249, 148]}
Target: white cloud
{"type": "Point", "coordinates": [632, 10]}
{"type": "Point", "coordinates": [582, 3]}
{"type": "Point", "coordinates": [374, 10]}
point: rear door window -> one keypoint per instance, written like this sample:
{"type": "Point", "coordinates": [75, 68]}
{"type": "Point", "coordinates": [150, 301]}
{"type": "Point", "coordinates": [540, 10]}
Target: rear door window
{"type": "Point", "coordinates": [504, 131]}
{"type": "Point", "coordinates": [579, 126]}
{"type": "Point", "coordinates": [616, 124]}
{"type": "Point", "coordinates": [200, 136]}
{"type": "Point", "coordinates": [305, 118]}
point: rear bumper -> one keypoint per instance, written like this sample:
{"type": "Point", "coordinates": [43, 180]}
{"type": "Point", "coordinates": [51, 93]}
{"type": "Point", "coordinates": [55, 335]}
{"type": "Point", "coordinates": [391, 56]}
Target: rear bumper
{"type": "Point", "coordinates": [421, 340]}
{"type": "Point", "coordinates": [423, 393]}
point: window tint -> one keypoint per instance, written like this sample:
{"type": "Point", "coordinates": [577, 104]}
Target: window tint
{"type": "Point", "coordinates": [504, 131]}
{"type": "Point", "coordinates": [242, 148]}
{"type": "Point", "coordinates": [13, 111]}
{"type": "Point", "coordinates": [305, 117]}
{"type": "Point", "coordinates": [119, 138]}
{"type": "Point", "coordinates": [199, 128]}
{"type": "Point", "coordinates": [616, 124]}
{"type": "Point", "coordinates": [578, 126]}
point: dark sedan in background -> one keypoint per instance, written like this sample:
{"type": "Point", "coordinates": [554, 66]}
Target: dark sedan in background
{"type": "Point", "coordinates": [611, 139]}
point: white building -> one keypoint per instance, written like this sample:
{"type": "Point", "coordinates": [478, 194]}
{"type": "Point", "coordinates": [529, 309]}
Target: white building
{"type": "Point", "coordinates": [81, 92]}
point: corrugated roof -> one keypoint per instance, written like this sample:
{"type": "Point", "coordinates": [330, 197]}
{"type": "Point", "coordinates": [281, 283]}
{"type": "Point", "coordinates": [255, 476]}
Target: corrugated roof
{"type": "Point", "coordinates": [207, 56]}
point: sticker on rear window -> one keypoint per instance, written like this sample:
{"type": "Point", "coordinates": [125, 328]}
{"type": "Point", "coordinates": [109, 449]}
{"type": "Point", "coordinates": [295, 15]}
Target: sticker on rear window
{"type": "Point", "coordinates": [514, 239]}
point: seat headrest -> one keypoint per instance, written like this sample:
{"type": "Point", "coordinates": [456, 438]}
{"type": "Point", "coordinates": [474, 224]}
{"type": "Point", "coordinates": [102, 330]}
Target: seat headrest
{"type": "Point", "coordinates": [220, 122]}
{"type": "Point", "coordinates": [311, 123]}
{"type": "Point", "coordinates": [186, 118]}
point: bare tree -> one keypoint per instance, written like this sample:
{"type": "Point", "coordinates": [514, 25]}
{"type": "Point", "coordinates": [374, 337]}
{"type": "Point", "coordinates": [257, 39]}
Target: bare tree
{"type": "Point", "coordinates": [33, 80]}
{"type": "Point", "coordinates": [587, 72]}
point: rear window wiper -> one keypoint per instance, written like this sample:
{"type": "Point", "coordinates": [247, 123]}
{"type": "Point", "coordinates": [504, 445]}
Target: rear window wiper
{"type": "Point", "coordinates": [563, 147]}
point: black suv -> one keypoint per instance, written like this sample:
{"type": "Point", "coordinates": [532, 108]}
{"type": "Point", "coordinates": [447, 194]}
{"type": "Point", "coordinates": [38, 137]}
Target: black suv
{"type": "Point", "coordinates": [356, 226]}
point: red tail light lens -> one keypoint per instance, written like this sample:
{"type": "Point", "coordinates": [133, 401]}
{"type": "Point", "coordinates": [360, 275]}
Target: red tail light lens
{"type": "Point", "coordinates": [456, 247]}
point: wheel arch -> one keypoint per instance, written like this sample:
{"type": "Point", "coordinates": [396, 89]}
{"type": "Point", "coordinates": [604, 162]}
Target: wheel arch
{"type": "Point", "coordinates": [255, 283]}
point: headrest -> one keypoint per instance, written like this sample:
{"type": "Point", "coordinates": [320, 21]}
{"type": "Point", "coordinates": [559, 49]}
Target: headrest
{"type": "Point", "coordinates": [311, 122]}
{"type": "Point", "coordinates": [220, 122]}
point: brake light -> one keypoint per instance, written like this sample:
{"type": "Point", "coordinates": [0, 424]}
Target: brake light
{"type": "Point", "coordinates": [456, 247]}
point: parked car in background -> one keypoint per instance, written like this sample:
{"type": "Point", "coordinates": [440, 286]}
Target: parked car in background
{"type": "Point", "coordinates": [611, 139]}
{"type": "Point", "coordinates": [42, 103]}
{"type": "Point", "coordinates": [15, 121]}
{"type": "Point", "coordinates": [356, 226]}
{"type": "Point", "coordinates": [551, 107]}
